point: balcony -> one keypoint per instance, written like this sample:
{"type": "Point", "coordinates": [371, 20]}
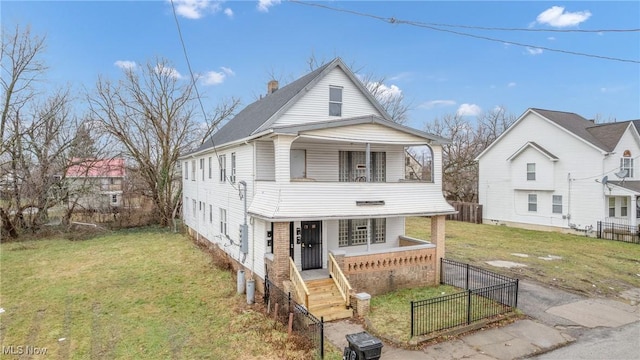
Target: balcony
{"type": "Point", "coordinates": [339, 200]}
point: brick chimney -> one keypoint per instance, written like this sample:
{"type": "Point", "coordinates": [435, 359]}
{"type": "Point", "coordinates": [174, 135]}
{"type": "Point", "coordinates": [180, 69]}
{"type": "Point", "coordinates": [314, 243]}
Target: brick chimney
{"type": "Point", "coordinates": [272, 86]}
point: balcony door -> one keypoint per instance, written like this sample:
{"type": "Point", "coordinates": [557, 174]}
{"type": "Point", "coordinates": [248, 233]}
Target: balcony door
{"type": "Point", "coordinates": [311, 245]}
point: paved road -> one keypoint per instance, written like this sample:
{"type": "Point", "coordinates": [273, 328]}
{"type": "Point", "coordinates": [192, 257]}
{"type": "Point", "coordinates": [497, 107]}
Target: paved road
{"type": "Point", "coordinates": [622, 343]}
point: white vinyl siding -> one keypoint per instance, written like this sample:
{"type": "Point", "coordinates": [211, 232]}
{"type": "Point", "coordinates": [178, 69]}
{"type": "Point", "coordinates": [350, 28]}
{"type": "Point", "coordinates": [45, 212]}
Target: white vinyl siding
{"type": "Point", "coordinates": [312, 107]}
{"type": "Point", "coordinates": [265, 161]}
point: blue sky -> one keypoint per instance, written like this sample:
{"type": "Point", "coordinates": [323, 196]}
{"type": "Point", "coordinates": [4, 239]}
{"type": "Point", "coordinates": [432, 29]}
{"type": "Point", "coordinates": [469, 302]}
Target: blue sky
{"type": "Point", "coordinates": [237, 46]}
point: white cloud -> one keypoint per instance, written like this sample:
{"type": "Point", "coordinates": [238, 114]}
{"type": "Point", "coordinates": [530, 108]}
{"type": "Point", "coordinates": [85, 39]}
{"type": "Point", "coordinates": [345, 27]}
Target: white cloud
{"type": "Point", "coordinates": [264, 5]}
{"type": "Point", "coordinates": [383, 92]}
{"type": "Point", "coordinates": [227, 71]}
{"type": "Point", "coordinates": [511, 84]}
{"type": "Point", "coordinates": [217, 77]}
{"type": "Point", "coordinates": [228, 12]}
{"type": "Point", "coordinates": [169, 71]}
{"type": "Point", "coordinates": [436, 103]}
{"type": "Point", "coordinates": [125, 64]}
{"type": "Point", "coordinates": [556, 16]}
{"type": "Point", "coordinates": [195, 9]}
{"type": "Point", "coordinates": [469, 110]}
{"type": "Point", "coordinates": [534, 51]}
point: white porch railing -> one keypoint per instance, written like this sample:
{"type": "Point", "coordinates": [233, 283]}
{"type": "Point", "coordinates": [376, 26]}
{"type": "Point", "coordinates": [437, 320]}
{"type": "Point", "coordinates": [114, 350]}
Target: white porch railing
{"type": "Point", "coordinates": [341, 281]}
{"type": "Point", "coordinates": [300, 288]}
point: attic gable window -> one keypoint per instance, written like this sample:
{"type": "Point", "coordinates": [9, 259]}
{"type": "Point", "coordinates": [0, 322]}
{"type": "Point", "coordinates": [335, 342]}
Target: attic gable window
{"type": "Point", "coordinates": [335, 101]}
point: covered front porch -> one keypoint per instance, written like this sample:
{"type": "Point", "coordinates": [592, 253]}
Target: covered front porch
{"type": "Point", "coordinates": [327, 278]}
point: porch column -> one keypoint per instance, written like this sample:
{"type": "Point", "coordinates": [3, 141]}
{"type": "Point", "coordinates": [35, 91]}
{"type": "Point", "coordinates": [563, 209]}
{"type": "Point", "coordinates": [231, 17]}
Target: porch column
{"type": "Point", "coordinates": [282, 149]}
{"type": "Point", "coordinates": [634, 211]}
{"type": "Point", "coordinates": [279, 271]}
{"type": "Point", "coordinates": [437, 238]}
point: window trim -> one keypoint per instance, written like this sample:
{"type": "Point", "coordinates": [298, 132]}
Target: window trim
{"type": "Point", "coordinates": [335, 101]}
{"type": "Point", "coordinates": [222, 161]}
{"type": "Point", "coordinates": [223, 221]}
{"type": "Point", "coordinates": [531, 174]}
{"type": "Point", "coordinates": [555, 207]}
{"type": "Point", "coordinates": [626, 163]}
{"type": "Point", "coordinates": [378, 231]}
{"type": "Point", "coordinates": [532, 202]}
{"type": "Point", "coordinates": [232, 176]}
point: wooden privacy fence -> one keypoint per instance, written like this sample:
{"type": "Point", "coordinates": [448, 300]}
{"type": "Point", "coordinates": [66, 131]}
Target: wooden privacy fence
{"type": "Point", "coordinates": [467, 212]}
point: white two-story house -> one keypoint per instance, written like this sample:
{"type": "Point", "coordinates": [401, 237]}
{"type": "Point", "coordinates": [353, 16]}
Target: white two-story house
{"type": "Point", "coordinates": [558, 170]}
{"type": "Point", "coordinates": [310, 181]}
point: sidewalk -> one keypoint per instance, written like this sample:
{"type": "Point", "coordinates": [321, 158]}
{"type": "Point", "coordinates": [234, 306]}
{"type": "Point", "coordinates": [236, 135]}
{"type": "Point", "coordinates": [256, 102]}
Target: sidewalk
{"type": "Point", "coordinates": [558, 317]}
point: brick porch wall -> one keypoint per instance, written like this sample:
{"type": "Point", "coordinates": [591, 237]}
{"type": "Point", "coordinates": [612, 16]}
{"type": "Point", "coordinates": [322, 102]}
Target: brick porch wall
{"type": "Point", "coordinates": [384, 272]}
{"type": "Point", "coordinates": [278, 263]}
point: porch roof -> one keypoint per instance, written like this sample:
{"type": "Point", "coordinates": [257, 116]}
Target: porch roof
{"type": "Point", "coordinates": [299, 201]}
{"type": "Point", "coordinates": [633, 186]}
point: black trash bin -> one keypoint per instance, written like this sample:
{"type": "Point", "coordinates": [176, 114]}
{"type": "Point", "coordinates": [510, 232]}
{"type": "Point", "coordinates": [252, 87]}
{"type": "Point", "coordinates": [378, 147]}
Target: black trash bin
{"type": "Point", "coordinates": [362, 346]}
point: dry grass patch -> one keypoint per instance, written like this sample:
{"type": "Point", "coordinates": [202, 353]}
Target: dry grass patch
{"type": "Point", "coordinates": [130, 295]}
{"type": "Point", "coordinates": [590, 266]}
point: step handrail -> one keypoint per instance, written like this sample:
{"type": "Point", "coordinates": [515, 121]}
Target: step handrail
{"type": "Point", "coordinates": [299, 285]}
{"type": "Point", "coordinates": [341, 281]}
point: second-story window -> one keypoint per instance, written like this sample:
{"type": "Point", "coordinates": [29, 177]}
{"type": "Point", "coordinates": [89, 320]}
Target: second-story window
{"type": "Point", "coordinates": [626, 164]}
{"type": "Point", "coordinates": [335, 101]}
{"type": "Point", "coordinates": [353, 167]}
{"type": "Point", "coordinates": [210, 167]}
{"type": "Point", "coordinates": [186, 170]}
{"type": "Point", "coordinates": [193, 170]}
{"type": "Point", "coordinates": [223, 167]}
{"type": "Point", "coordinates": [531, 171]}
{"type": "Point", "coordinates": [202, 168]}
{"type": "Point", "coordinates": [232, 176]}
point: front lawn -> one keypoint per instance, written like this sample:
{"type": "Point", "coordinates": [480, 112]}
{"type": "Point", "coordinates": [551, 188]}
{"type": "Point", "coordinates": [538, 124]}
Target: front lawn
{"type": "Point", "coordinates": [590, 266]}
{"type": "Point", "coordinates": [141, 294]}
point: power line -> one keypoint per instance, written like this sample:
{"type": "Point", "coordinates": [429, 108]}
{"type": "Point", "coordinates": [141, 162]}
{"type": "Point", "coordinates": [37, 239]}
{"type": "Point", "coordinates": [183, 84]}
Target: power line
{"type": "Point", "coordinates": [392, 20]}
{"type": "Point", "coordinates": [195, 87]}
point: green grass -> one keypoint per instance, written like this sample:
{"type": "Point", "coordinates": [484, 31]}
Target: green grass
{"type": "Point", "coordinates": [131, 295]}
{"type": "Point", "coordinates": [391, 313]}
{"type": "Point", "coordinates": [589, 266]}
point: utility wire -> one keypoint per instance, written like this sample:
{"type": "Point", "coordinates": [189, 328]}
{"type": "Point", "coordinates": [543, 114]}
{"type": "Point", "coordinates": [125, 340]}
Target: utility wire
{"type": "Point", "coordinates": [195, 87]}
{"type": "Point", "coordinates": [392, 20]}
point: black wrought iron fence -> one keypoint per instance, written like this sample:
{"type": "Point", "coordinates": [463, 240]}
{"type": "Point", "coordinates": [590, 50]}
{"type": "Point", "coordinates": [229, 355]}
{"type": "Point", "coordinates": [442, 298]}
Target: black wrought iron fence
{"type": "Point", "coordinates": [618, 232]}
{"type": "Point", "coordinates": [486, 295]}
{"type": "Point", "coordinates": [305, 325]}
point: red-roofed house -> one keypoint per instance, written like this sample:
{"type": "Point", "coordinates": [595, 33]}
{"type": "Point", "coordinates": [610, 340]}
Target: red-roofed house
{"type": "Point", "coordinates": [98, 183]}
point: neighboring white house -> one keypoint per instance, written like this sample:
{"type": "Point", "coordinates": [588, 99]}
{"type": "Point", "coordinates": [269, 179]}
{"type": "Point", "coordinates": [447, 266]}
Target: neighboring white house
{"type": "Point", "coordinates": [316, 169]}
{"type": "Point", "coordinates": [558, 170]}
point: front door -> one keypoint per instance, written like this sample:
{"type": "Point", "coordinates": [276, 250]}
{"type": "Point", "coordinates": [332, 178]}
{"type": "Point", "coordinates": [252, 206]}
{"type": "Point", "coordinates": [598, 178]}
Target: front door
{"type": "Point", "coordinates": [311, 243]}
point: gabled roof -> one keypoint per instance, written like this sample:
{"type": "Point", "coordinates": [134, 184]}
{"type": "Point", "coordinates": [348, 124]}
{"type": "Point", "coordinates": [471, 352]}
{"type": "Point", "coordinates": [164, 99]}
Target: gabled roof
{"type": "Point", "coordinates": [96, 168]}
{"type": "Point", "coordinates": [260, 115]}
{"type": "Point", "coordinates": [533, 145]}
{"type": "Point", "coordinates": [604, 137]}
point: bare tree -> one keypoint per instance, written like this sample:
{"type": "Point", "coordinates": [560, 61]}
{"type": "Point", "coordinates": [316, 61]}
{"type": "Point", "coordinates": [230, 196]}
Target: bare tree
{"type": "Point", "coordinates": [151, 113]}
{"type": "Point", "coordinates": [20, 57]}
{"type": "Point", "coordinates": [468, 139]}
